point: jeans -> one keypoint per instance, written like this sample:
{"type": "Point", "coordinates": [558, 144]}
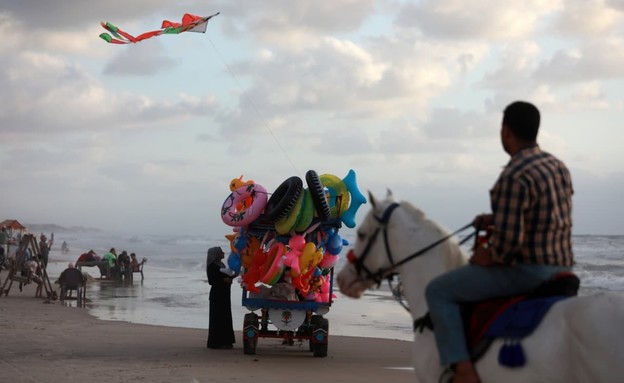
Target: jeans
{"type": "Point", "coordinates": [473, 283]}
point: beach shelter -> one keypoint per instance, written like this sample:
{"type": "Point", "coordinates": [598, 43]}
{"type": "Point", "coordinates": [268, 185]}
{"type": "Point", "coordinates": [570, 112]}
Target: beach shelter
{"type": "Point", "coordinates": [13, 227]}
{"type": "Point", "coordinates": [13, 224]}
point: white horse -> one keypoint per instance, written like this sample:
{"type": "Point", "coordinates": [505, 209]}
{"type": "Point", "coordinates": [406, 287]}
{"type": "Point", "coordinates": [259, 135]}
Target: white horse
{"type": "Point", "coordinates": [580, 340]}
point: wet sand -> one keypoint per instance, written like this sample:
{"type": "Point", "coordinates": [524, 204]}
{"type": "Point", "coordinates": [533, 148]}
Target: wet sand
{"type": "Point", "coordinates": [57, 342]}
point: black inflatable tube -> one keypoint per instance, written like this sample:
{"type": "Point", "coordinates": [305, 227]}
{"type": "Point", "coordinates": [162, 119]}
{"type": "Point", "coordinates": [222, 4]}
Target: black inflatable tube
{"type": "Point", "coordinates": [318, 195]}
{"type": "Point", "coordinates": [283, 198]}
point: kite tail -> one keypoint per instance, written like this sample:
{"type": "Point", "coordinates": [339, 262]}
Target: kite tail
{"type": "Point", "coordinates": [121, 36]}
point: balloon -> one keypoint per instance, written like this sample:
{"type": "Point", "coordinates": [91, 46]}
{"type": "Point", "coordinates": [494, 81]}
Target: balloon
{"type": "Point", "coordinates": [328, 261]}
{"type": "Point", "coordinates": [334, 243]}
{"type": "Point", "coordinates": [234, 262]}
{"type": "Point", "coordinates": [310, 257]}
{"type": "Point", "coordinates": [254, 273]}
{"type": "Point", "coordinates": [323, 295]}
{"type": "Point", "coordinates": [247, 254]}
{"type": "Point", "coordinates": [291, 258]}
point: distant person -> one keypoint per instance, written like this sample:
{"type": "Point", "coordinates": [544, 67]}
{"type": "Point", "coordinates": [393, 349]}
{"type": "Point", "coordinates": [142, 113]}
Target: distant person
{"type": "Point", "coordinates": [70, 280]}
{"type": "Point", "coordinates": [123, 263]}
{"type": "Point", "coordinates": [44, 248]}
{"type": "Point", "coordinates": [4, 239]}
{"type": "Point", "coordinates": [111, 259]}
{"type": "Point", "coordinates": [134, 263]}
{"type": "Point", "coordinates": [220, 329]}
{"type": "Point", "coordinates": [65, 248]}
{"type": "Point", "coordinates": [25, 262]}
{"type": "Point", "coordinates": [89, 256]}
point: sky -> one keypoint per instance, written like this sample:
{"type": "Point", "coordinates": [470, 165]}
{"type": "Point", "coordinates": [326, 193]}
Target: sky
{"type": "Point", "coordinates": [145, 138]}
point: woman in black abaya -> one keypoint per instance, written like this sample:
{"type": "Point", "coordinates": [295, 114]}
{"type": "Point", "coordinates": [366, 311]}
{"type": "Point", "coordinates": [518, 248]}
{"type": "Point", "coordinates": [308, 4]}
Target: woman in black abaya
{"type": "Point", "coordinates": [220, 330]}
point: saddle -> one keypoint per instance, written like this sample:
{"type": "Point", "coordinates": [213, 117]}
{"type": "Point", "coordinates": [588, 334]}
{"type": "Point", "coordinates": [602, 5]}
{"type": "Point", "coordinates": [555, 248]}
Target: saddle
{"type": "Point", "coordinates": [510, 318]}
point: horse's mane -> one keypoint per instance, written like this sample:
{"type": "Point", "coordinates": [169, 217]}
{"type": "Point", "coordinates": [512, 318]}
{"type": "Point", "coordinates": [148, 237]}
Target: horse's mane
{"type": "Point", "coordinates": [454, 256]}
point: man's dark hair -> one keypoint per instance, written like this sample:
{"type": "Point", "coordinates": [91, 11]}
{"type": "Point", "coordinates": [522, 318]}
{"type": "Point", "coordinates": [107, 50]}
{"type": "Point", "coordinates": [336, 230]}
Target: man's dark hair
{"type": "Point", "coordinates": [523, 119]}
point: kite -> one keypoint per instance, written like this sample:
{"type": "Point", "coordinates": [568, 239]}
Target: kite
{"type": "Point", "coordinates": [190, 23]}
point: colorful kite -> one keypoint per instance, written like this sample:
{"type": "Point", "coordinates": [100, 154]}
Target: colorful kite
{"type": "Point", "coordinates": [190, 23]}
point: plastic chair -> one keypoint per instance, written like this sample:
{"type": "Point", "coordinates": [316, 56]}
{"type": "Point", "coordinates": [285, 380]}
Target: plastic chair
{"type": "Point", "coordinates": [138, 268]}
{"type": "Point", "coordinates": [73, 279]}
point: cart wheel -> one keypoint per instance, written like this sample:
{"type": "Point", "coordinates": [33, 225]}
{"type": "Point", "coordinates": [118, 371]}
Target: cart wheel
{"type": "Point", "coordinates": [320, 336]}
{"type": "Point", "coordinates": [310, 330]}
{"type": "Point", "coordinates": [250, 333]}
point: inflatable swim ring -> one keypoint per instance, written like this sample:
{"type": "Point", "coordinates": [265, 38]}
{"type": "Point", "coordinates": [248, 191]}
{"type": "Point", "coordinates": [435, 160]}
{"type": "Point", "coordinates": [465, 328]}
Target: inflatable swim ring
{"type": "Point", "coordinates": [283, 198]}
{"type": "Point", "coordinates": [274, 265]}
{"type": "Point", "coordinates": [231, 212]}
{"type": "Point", "coordinates": [318, 195]}
{"type": "Point", "coordinates": [306, 213]}
{"type": "Point", "coordinates": [284, 225]}
{"type": "Point", "coordinates": [337, 193]}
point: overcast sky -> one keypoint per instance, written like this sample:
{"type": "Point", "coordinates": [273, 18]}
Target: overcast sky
{"type": "Point", "coordinates": [145, 138]}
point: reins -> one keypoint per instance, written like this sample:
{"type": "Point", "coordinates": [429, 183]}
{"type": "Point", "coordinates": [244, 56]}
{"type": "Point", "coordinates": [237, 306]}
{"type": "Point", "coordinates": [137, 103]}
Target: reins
{"type": "Point", "coordinates": [397, 291]}
{"type": "Point", "coordinates": [436, 243]}
{"type": "Point", "coordinates": [383, 273]}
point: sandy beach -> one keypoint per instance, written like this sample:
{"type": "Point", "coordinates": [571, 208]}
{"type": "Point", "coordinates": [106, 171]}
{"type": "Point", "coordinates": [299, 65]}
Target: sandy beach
{"type": "Point", "coordinates": [57, 342]}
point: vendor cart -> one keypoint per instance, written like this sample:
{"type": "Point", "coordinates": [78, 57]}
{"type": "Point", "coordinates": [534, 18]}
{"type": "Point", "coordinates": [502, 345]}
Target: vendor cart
{"type": "Point", "coordinates": [288, 320]}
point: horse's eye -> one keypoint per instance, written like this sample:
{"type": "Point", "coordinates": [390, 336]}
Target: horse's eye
{"type": "Point", "coordinates": [361, 235]}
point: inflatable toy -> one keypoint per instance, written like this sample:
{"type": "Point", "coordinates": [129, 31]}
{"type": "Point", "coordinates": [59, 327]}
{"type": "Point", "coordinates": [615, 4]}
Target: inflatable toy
{"type": "Point", "coordinates": [357, 199]}
{"type": "Point", "coordinates": [254, 273]}
{"type": "Point", "coordinates": [238, 182]}
{"type": "Point", "coordinates": [338, 196]}
{"type": "Point", "coordinates": [252, 244]}
{"type": "Point", "coordinates": [284, 225]}
{"type": "Point", "coordinates": [284, 198]}
{"type": "Point", "coordinates": [275, 264]}
{"type": "Point", "coordinates": [318, 195]}
{"type": "Point", "coordinates": [306, 212]}
{"type": "Point", "coordinates": [310, 257]}
{"type": "Point", "coordinates": [291, 258]}
{"type": "Point", "coordinates": [235, 212]}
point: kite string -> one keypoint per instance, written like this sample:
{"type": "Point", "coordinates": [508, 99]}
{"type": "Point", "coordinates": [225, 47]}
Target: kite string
{"type": "Point", "coordinates": [253, 105]}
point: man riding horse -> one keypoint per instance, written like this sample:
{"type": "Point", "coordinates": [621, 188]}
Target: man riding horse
{"type": "Point", "coordinates": [531, 226]}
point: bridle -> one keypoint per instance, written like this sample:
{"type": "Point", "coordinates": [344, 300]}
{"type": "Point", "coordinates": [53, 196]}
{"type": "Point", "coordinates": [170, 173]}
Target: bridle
{"type": "Point", "coordinates": [379, 275]}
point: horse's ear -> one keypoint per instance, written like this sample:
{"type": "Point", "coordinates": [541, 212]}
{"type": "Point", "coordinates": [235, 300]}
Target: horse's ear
{"type": "Point", "coordinates": [372, 200]}
{"type": "Point", "coordinates": [389, 195]}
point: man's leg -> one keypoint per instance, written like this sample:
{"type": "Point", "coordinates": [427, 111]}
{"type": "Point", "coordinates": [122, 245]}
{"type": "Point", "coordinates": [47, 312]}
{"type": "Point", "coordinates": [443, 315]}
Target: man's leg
{"type": "Point", "coordinates": [473, 283]}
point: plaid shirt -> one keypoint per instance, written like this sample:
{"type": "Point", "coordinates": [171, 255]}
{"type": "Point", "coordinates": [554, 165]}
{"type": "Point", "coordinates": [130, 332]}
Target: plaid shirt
{"type": "Point", "coordinates": [532, 207]}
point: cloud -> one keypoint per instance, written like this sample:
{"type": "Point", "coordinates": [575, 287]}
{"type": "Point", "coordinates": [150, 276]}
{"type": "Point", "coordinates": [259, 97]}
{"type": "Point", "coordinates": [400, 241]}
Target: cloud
{"type": "Point", "coordinates": [145, 59]}
{"type": "Point", "coordinates": [579, 18]}
{"type": "Point", "coordinates": [295, 24]}
{"type": "Point", "coordinates": [39, 89]}
{"type": "Point", "coordinates": [486, 19]}
{"type": "Point", "coordinates": [70, 14]}
{"type": "Point", "coordinates": [595, 60]}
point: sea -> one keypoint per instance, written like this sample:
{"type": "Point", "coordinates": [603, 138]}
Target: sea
{"type": "Point", "coordinates": [175, 289]}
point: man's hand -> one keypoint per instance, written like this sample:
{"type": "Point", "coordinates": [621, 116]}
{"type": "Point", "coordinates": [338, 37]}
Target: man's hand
{"type": "Point", "coordinates": [483, 221]}
{"type": "Point", "coordinates": [482, 257]}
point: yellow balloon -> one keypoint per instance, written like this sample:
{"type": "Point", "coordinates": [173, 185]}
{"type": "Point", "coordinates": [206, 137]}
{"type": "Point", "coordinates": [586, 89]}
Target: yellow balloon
{"type": "Point", "coordinates": [310, 257]}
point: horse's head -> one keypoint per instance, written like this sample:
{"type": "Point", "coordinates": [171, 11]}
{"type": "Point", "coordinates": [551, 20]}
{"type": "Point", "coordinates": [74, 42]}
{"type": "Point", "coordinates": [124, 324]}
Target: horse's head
{"type": "Point", "coordinates": [391, 236]}
{"type": "Point", "coordinates": [369, 259]}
